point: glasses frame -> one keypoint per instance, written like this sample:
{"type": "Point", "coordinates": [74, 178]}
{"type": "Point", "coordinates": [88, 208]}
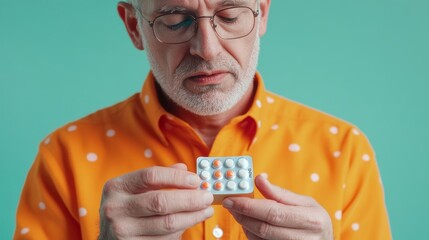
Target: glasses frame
{"type": "Point", "coordinates": [195, 19]}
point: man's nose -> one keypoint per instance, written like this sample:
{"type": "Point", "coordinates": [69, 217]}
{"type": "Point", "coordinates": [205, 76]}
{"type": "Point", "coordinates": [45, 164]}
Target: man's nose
{"type": "Point", "coordinates": [205, 43]}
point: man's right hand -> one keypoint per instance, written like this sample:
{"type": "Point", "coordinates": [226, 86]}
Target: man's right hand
{"type": "Point", "coordinates": [138, 205]}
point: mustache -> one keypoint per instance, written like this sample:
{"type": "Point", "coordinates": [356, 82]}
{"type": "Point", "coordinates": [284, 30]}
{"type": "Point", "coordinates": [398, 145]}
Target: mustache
{"type": "Point", "coordinates": [193, 64]}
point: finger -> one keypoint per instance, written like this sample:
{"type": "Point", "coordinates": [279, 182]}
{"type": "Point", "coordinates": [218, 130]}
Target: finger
{"type": "Point", "coordinates": [281, 195]}
{"type": "Point", "coordinates": [155, 178]}
{"type": "Point", "coordinates": [250, 235]}
{"type": "Point", "coordinates": [168, 224]}
{"type": "Point", "coordinates": [270, 212]}
{"type": "Point", "coordinates": [180, 166]}
{"type": "Point", "coordinates": [257, 229]}
{"type": "Point", "coordinates": [123, 231]}
{"type": "Point", "coordinates": [173, 236]}
{"type": "Point", "coordinates": [165, 202]}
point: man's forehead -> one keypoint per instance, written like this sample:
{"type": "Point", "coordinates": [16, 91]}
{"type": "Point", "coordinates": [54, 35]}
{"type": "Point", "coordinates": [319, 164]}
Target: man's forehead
{"type": "Point", "coordinates": [166, 5]}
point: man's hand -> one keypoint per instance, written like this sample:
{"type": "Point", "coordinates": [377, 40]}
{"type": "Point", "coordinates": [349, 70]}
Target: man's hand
{"type": "Point", "coordinates": [138, 205]}
{"type": "Point", "coordinates": [282, 215]}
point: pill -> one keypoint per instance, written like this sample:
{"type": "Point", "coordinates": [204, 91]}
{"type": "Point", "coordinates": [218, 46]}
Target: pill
{"type": "Point", "coordinates": [205, 175]}
{"type": "Point", "coordinates": [231, 185]}
{"type": "Point", "coordinates": [205, 185]}
{"type": "Point", "coordinates": [243, 163]}
{"type": "Point", "coordinates": [244, 185]}
{"type": "Point", "coordinates": [217, 174]}
{"type": "Point", "coordinates": [243, 173]}
{"type": "Point", "coordinates": [218, 186]}
{"type": "Point", "coordinates": [204, 164]}
{"type": "Point", "coordinates": [217, 163]}
{"type": "Point", "coordinates": [229, 163]}
{"type": "Point", "coordinates": [230, 174]}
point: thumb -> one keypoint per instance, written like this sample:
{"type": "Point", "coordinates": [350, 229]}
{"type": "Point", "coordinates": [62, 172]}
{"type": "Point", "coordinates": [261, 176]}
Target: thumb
{"type": "Point", "coordinates": [180, 166]}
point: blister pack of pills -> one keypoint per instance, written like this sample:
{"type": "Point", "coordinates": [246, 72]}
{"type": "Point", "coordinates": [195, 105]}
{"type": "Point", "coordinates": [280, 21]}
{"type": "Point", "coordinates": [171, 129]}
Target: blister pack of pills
{"type": "Point", "coordinates": [226, 176]}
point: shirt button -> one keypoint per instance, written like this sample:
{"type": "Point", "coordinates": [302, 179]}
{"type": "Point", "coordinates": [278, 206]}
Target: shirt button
{"type": "Point", "coordinates": [217, 232]}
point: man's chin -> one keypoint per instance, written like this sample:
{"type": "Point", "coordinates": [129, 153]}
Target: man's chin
{"type": "Point", "coordinates": [206, 106]}
{"type": "Point", "coordinates": [207, 90]}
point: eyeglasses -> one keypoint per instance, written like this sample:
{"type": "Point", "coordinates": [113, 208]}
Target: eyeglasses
{"type": "Point", "coordinates": [228, 23]}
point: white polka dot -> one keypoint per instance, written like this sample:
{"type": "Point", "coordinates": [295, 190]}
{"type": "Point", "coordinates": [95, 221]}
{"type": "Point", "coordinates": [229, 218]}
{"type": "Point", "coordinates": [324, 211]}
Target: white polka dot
{"type": "Point", "coordinates": [334, 130]}
{"type": "Point", "coordinates": [338, 215]}
{"type": "Point", "coordinates": [92, 157]}
{"type": "Point", "coordinates": [72, 128]}
{"type": "Point", "coordinates": [47, 140]}
{"type": "Point", "coordinates": [355, 227]}
{"type": "Point", "coordinates": [344, 186]}
{"type": "Point", "coordinates": [148, 153]}
{"type": "Point", "coordinates": [294, 147]}
{"type": "Point", "coordinates": [337, 154]}
{"type": "Point", "coordinates": [25, 231]}
{"type": "Point", "coordinates": [270, 100]}
{"type": "Point", "coordinates": [259, 124]}
{"type": "Point", "coordinates": [275, 127]}
{"type": "Point", "coordinates": [82, 212]}
{"type": "Point", "coordinates": [42, 206]}
{"type": "Point", "coordinates": [258, 103]}
{"type": "Point", "coordinates": [366, 157]}
{"type": "Point", "coordinates": [146, 99]}
{"type": "Point", "coordinates": [110, 133]}
{"type": "Point", "coordinates": [315, 177]}
{"type": "Point", "coordinates": [217, 232]}
{"type": "Point", "coordinates": [355, 131]}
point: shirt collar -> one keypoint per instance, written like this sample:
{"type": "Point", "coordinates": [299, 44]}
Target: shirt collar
{"type": "Point", "coordinates": [156, 114]}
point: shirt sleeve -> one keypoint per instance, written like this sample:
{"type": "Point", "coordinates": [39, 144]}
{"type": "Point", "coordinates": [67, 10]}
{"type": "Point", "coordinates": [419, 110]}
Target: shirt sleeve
{"type": "Point", "coordinates": [46, 209]}
{"type": "Point", "coordinates": [364, 214]}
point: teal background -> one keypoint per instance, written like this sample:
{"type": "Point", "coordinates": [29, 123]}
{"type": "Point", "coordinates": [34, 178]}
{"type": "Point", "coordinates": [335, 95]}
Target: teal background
{"type": "Point", "coordinates": [364, 61]}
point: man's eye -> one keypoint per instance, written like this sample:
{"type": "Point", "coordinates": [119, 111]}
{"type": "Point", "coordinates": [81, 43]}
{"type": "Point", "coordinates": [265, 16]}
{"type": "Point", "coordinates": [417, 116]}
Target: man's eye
{"type": "Point", "coordinates": [183, 24]}
{"type": "Point", "coordinates": [228, 19]}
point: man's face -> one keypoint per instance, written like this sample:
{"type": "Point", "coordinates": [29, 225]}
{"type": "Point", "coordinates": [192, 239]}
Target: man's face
{"type": "Point", "coordinates": [207, 75]}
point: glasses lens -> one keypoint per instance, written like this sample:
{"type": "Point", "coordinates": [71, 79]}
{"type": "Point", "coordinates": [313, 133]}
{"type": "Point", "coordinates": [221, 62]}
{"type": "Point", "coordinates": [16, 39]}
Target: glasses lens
{"type": "Point", "coordinates": [174, 28]}
{"type": "Point", "coordinates": [234, 22]}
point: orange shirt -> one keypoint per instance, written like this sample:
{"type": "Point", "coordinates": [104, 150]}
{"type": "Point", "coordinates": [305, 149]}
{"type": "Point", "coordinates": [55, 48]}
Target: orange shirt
{"type": "Point", "coordinates": [302, 150]}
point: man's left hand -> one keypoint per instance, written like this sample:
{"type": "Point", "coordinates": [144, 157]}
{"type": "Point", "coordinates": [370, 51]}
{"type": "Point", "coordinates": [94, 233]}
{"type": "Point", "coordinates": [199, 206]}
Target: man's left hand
{"type": "Point", "coordinates": [282, 215]}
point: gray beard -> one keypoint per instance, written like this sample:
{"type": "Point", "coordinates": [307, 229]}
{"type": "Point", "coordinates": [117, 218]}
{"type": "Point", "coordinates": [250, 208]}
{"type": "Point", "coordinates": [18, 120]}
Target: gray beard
{"type": "Point", "coordinates": [210, 99]}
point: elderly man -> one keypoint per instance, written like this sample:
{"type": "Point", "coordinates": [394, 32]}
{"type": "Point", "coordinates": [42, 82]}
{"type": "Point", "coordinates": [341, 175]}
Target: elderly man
{"type": "Point", "coordinates": [317, 177]}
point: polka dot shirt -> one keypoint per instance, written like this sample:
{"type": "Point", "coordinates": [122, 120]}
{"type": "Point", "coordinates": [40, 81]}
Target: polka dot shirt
{"type": "Point", "coordinates": [303, 150]}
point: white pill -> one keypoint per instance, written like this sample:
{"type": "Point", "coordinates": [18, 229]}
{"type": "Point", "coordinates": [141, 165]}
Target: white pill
{"type": "Point", "coordinates": [243, 173]}
{"type": "Point", "coordinates": [229, 163]}
{"type": "Point", "coordinates": [204, 164]}
{"type": "Point", "coordinates": [231, 185]}
{"type": "Point", "coordinates": [205, 175]}
{"type": "Point", "coordinates": [244, 185]}
{"type": "Point", "coordinates": [243, 163]}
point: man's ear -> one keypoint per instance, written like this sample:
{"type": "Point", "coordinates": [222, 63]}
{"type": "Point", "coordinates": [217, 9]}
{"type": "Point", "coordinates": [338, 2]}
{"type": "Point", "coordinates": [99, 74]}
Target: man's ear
{"type": "Point", "coordinates": [264, 10]}
{"type": "Point", "coordinates": [128, 15]}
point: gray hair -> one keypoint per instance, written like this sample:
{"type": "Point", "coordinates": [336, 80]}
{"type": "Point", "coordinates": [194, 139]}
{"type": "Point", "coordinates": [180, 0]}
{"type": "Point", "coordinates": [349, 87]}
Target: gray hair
{"type": "Point", "coordinates": [135, 3]}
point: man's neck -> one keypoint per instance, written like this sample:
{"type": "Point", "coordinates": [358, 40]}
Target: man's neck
{"type": "Point", "coordinates": [207, 127]}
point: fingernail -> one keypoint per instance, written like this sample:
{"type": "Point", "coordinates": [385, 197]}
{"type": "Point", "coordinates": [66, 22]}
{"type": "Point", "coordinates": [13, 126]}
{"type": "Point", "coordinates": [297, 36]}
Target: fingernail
{"type": "Point", "coordinates": [227, 203]}
{"type": "Point", "coordinates": [208, 212]}
{"type": "Point", "coordinates": [193, 180]}
{"type": "Point", "coordinates": [208, 198]}
{"type": "Point", "coordinates": [264, 175]}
